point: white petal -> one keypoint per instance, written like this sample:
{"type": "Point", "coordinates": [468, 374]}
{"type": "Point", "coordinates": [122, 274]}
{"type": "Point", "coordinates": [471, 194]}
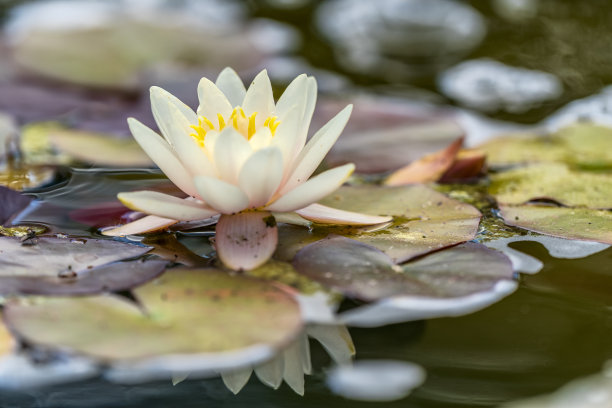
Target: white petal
{"type": "Point", "coordinates": [247, 240]}
{"type": "Point", "coordinates": [176, 128]}
{"type": "Point", "coordinates": [261, 175]}
{"type": "Point", "coordinates": [164, 205]}
{"type": "Point", "coordinates": [262, 138]}
{"type": "Point", "coordinates": [328, 215]}
{"type": "Point", "coordinates": [161, 95]}
{"type": "Point", "coordinates": [285, 136]}
{"type": "Point", "coordinates": [259, 97]}
{"type": "Point", "coordinates": [310, 102]}
{"type": "Point", "coordinates": [231, 85]}
{"type": "Point", "coordinates": [212, 102]}
{"type": "Point", "coordinates": [336, 340]}
{"type": "Point", "coordinates": [312, 190]}
{"type": "Point", "coordinates": [293, 372]}
{"type": "Point", "coordinates": [162, 154]}
{"type": "Point", "coordinates": [223, 197]}
{"type": "Point", "coordinates": [236, 380]}
{"type": "Point", "coordinates": [231, 151]}
{"type": "Point", "coordinates": [143, 225]}
{"type": "Point", "coordinates": [304, 346]}
{"type": "Point", "coordinates": [271, 373]}
{"type": "Point", "coordinates": [295, 94]}
{"type": "Point", "coordinates": [311, 156]}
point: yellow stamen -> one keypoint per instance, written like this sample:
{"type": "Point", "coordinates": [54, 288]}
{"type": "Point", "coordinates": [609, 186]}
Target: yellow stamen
{"type": "Point", "coordinates": [221, 121]}
{"type": "Point", "coordinates": [251, 129]}
{"type": "Point", "coordinates": [207, 121]}
{"type": "Point", "coordinates": [242, 113]}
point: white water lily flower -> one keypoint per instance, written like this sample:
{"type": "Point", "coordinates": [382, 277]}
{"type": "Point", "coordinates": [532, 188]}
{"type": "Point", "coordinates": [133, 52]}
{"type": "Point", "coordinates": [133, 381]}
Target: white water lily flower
{"type": "Point", "coordinates": [242, 156]}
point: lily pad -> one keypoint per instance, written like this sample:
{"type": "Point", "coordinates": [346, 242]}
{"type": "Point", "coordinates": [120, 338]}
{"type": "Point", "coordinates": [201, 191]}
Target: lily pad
{"type": "Point", "coordinates": [194, 320]}
{"type": "Point", "coordinates": [425, 220]}
{"type": "Point", "coordinates": [553, 181]}
{"type": "Point", "coordinates": [99, 149]}
{"type": "Point", "coordinates": [362, 271]}
{"type": "Point", "coordinates": [574, 223]}
{"type": "Point", "coordinates": [50, 265]}
{"type": "Point", "coordinates": [584, 146]}
{"type": "Point", "coordinates": [447, 283]}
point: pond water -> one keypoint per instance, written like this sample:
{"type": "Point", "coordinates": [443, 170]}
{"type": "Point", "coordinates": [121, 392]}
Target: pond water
{"type": "Point", "coordinates": [556, 327]}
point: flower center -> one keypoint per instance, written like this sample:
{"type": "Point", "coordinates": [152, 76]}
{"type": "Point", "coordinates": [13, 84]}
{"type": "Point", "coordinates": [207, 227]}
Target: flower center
{"type": "Point", "coordinates": [237, 119]}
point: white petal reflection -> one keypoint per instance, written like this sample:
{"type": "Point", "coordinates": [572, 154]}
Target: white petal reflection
{"type": "Point", "coordinates": [293, 362]}
{"type": "Point", "coordinates": [376, 380]}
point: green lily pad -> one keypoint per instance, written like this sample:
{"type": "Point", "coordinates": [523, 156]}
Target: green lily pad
{"type": "Point", "coordinates": [574, 223]}
{"type": "Point", "coordinates": [362, 271]}
{"type": "Point", "coordinates": [584, 146]}
{"type": "Point", "coordinates": [186, 320]}
{"type": "Point", "coordinates": [424, 221]}
{"type": "Point", "coordinates": [553, 181]}
{"type": "Point", "coordinates": [71, 266]}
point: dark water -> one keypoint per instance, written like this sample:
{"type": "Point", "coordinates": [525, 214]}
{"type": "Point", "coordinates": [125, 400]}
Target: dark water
{"type": "Point", "coordinates": [556, 327]}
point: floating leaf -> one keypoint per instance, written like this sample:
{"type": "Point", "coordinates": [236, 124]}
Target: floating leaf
{"type": "Point", "coordinates": [49, 265]}
{"type": "Point", "coordinates": [99, 149]}
{"type": "Point", "coordinates": [573, 223]}
{"type": "Point", "coordinates": [194, 320]}
{"type": "Point", "coordinates": [11, 203]}
{"type": "Point", "coordinates": [452, 282]}
{"type": "Point", "coordinates": [428, 168]}
{"type": "Point", "coordinates": [584, 146]}
{"type": "Point", "coordinates": [425, 220]}
{"type": "Point", "coordinates": [553, 181]}
{"type": "Point", "coordinates": [362, 271]}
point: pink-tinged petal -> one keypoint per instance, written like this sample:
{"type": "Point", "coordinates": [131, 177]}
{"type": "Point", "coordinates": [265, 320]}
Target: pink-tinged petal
{"type": "Point", "coordinates": [262, 138]}
{"type": "Point", "coordinates": [231, 152]}
{"type": "Point", "coordinates": [313, 190]}
{"type": "Point", "coordinates": [259, 98]}
{"type": "Point", "coordinates": [167, 206]}
{"type": "Point", "coordinates": [285, 137]}
{"type": "Point", "coordinates": [247, 240]}
{"type": "Point", "coordinates": [212, 102]}
{"type": "Point", "coordinates": [224, 197]}
{"type": "Point", "coordinates": [162, 154]}
{"type": "Point", "coordinates": [150, 223]}
{"type": "Point", "coordinates": [176, 128]}
{"type": "Point", "coordinates": [231, 85]}
{"type": "Point", "coordinates": [319, 145]}
{"type": "Point", "coordinates": [295, 94]}
{"type": "Point", "coordinates": [328, 215]}
{"type": "Point", "coordinates": [261, 175]}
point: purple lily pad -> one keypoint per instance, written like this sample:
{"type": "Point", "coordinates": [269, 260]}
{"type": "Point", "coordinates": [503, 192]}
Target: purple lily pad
{"type": "Point", "coordinates": [72, 266]}
{"type": "Point", "coordinates": [362, 271]}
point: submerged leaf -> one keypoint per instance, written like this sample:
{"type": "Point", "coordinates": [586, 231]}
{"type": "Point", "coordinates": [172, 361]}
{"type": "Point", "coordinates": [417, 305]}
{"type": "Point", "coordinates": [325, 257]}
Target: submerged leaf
{"type": "Point", "coordinates": [194, 320]}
